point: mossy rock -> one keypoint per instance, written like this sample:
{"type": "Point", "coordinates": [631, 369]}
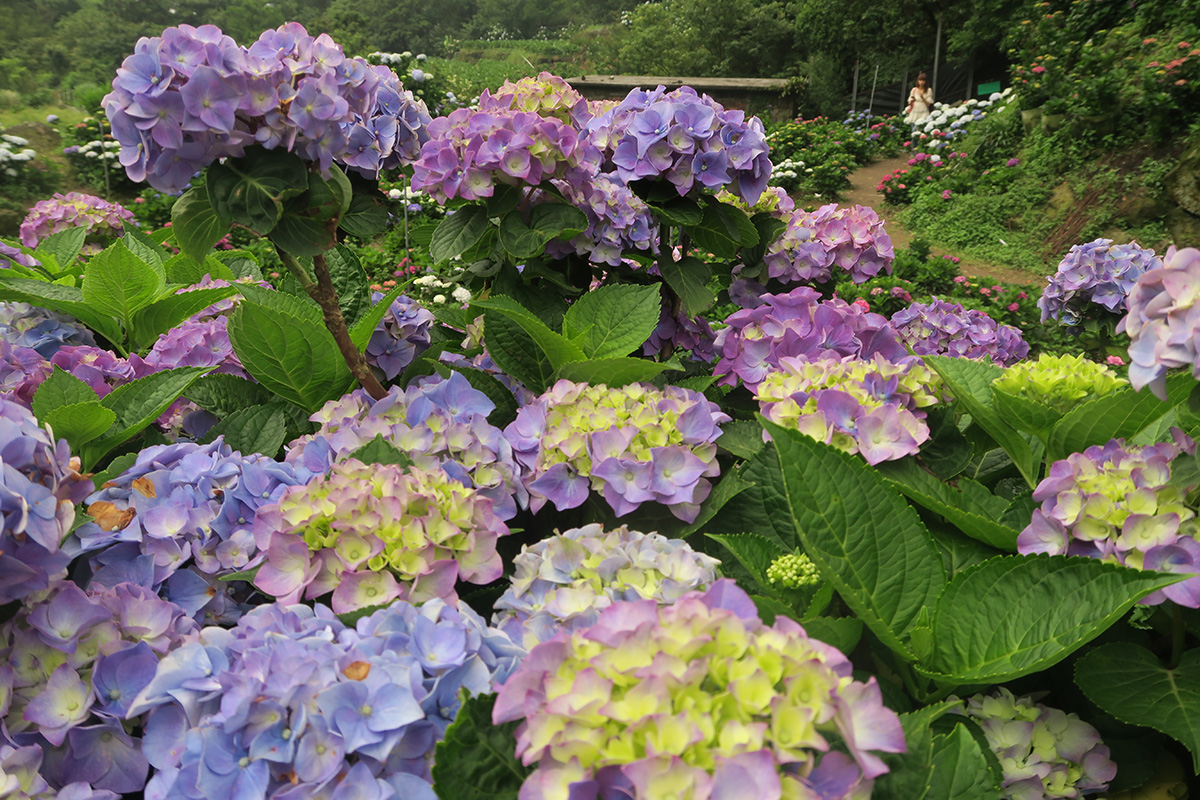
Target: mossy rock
{"type": "Point", "coordinates": [1183, 182]}
{"type": "Point", "coordinates": [1184, 227]}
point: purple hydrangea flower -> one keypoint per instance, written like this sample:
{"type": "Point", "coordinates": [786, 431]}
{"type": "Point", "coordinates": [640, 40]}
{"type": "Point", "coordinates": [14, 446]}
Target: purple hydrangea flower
{"type": "Point", "coordinates": [74, 210]}
{"type": "Point", "coordinates": [617, 220]}
{"type": "Point", "coordinates": [1116, 503]}
{"type": "Point", "coordinates": [22, 370]}
{"type": "Point", "coordinates": [941, 328]}
{"type": "Point", "coordinates": [677, 332]}
{"type": "Point", "coordinates": [612, 708]}
{"type": "Point", "coordinates": [545, 94]}
{"type": "Point", "coordinates": [634, 444]}
{"type": "Point", "coordinates": [1098, 273]}
{"type": "Point", "coordinates": [799, 323]}
{"type": "Point", "coordinates": [11, 255]}
{"type": "Point", "coordinates": [1162, 321]}
{"type": "Point", "coordinates": [40, 329]}
{"type": "Point", "coordinates": [814, 243]}
{"type": "Point", "coordinates": [400, 337]}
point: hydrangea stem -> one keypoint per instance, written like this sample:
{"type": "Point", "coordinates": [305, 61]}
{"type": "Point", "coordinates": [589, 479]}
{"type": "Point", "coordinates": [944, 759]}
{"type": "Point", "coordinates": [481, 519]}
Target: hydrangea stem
{"type": "Point", "coordinates": [326, 297]}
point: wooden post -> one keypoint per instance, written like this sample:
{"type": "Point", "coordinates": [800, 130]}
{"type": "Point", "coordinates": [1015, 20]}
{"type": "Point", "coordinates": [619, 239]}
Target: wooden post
{"type": "Point", "coordinates": [903, 93]}
{"type": "Point", "coordinates": [937, 55]}
{"type": "Point", "coordinates": [854, 89]}
{"type": "Point", "coordinates": [874, 83]}
{"type": "Point", "coordinates": [971, 76]}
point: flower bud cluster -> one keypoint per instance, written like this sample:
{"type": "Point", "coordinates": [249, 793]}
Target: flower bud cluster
{"type": "Point", "coordinates": [1098, 273]}
{"type": "Point", "coordinates": [193, 95]}
{"type": "Point", "coordinates": [76, 661]}
{"type": "Point", "coordinates": [293, 703]}
{"type": "Point", "coordinates": [774, 201]}
{"type": "Point", "coordinates": [74, 210]}
{"type": "Point", "coordinates": [794, 571]}
{"type": "Point", "coordinates": [40, 329]}
{"type": "Point", "coordinates": [436, 422]}
{"type": "Point", "coordinates": [633, 444]}
{"type": "Point", "coordinates": [401, 336]}
{"type": "Point", "coordinates": [1117, 503]}
{"type": "Point", "coordinates": [180, 518]}
{"type": "Point", "coordinates": [1060, 382]}
{"type": "Point", "coordinates": [799, 323]}
{"type": "Point", "coordinates": [940, 328]}
{"type": "Point", "coordinates": [1162, 321]}
{"type": "Point", "coordinates": [851, 239]}
{"type": "Point", "coordinates": [372, 533]}
{"type": "Point", "coordinates": [1045, 753]}
{"type": "Point", "coordinates": [565, 581]}
{"type": "Point", "coordinates": [872, 407]}
{"type": "Point", "coordinates": [39, 487]}
{"type": "Point", "coordinates": [695, 700]}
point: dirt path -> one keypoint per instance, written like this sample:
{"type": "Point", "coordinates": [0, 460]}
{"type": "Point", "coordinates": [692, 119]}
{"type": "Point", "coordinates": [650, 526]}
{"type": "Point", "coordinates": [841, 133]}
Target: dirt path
{"type": "Point", "coordinates": [862, 192]}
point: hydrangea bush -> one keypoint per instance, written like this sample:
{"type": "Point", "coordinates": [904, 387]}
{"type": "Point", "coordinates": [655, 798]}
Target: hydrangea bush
{"type": "Point", "coordinates": [1098, 273]}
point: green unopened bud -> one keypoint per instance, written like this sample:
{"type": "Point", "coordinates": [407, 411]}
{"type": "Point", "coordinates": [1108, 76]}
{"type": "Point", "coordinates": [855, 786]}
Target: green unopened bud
{"type": "Point", "coordinates": [793, 571]}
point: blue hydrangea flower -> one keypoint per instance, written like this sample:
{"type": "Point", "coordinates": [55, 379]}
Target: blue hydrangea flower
{"type": "Point", "coordinates": [1098, 273]}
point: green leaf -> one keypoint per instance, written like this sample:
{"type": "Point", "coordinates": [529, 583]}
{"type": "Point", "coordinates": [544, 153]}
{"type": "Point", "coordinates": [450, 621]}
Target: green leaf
{"type": "Point", "coordinates": [769, 229]}
{"type": "Point", "coordinates": [350, 281]}
{"type": "Point", "coordinates": [518, 239]}
{"type": "Point", "coordinates": [613, 320]}
{"type": "Point", "coordinates": [223, 394]}
{"type": "Point", "coordinates": [614, 372]}
{"type": "Point", "coordinates": [145, 248]}
{"type": "Point", "coordinates": [79, 423]}
{"type": "Point", "coordinates": [948, 451]}
{"type": "Point", "coordinates": [970, 382]}
{"type": "Point", "coordinates": [477, 759]}
{"type": "Point", "coordinates": [839, 506]}
{"type": "Point", "coordinates": [255, 429]}
{"type": "Point", "coordinates": [65, 246]}
{"type": "Point", "coordinates": [60, 389]}
{"type": "Point", "coordinates": [137, 404]}
{"type": "Point", "coordinates": [680, 211]}
{"type": "Point", "coordinates": [365, 218]}
{"type": "Point", "coordinates": [1120, 415]}
{"type": "Point", "coordinates": [910, 773]}
{"type": "Point", "coordinates": [241, 263]}
{"type": "Point", "coordinates": [196, 226]}
{"type": "Point", "coordinates": [118, 283]}
{"type": "Point", "coordinates": [1127, 681]}
{"type": "Point", "coordinates": [381, 451]}
{"type": "Point", "coordinates": [295, 358]}
{"type": "Point", "coordinates": [723, 230]}
{"type": "Point", "coordinates": [360, 331]}
{"type": "Point", "coordinates": [1015, 615]}
{"type": "Point", "coordinates": [302, 234]}
{"type": "Point", "coordinates": [961, 769]}
{"type": "Point", "coordinates": [114, 468]}
{"type": "Point", "coordinates": [752, 551]}
{"type": "Point", "coordinates": [516, 353]}
{"type": "Point", "coordinates": [557, 220]}
{"type": "Point", "coordinates": [843, 633]}
{"type": "Point", "coordinates": [56, 297]}
{"type": "Point", "coordinates": [976, 512]}
{"type": "Point", "coordinates": [457, 233]}
{"type": "Point", "coordinates": [183, 270]}
{"type": "Point", "coordinates": [558, 349]}
{"type": "Point", "coordinates": [1023, 414]}
{"type": "Point", "coordinates": [689, 279]}
{"type": "Point", "coordinates": [302, 307]}
{"type": "Point", "coordinates": [251, 190]}
{"type": "Point", "coordinates": [159, 317]}
{"type": "Point", "coordinates": [742, 437]}
{"type": "Point", "coordinates": [246, 575]}
{"type": "Point", "coordinates": [731, 485]}
{"type": "Point", "coordinates": [504, 199]}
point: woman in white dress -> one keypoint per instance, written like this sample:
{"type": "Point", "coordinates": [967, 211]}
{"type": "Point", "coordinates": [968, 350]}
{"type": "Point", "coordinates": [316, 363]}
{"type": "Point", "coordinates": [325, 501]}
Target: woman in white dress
{"type": "Point", "coordinates": [920, 101]}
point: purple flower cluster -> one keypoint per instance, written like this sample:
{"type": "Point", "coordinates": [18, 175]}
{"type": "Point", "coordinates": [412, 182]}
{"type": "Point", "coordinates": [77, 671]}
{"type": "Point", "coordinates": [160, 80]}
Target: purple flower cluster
{"type": "Point", "coordinates": [1117, 503]}
{"type": "Point", "coordinates": [565, 581]}
{"type": "Point", "coordinates": [941, 328]}
{"type": "Point", "coordinates": [40, 329]}
{"type": "Point", "coordinates": [688, 139]}
{"type": "Point", "coordinates": [74, 210]}
{"type": "Point", "coordinates": [617, 220]}
{"type": "Point", "coordinates": [683, 334]}
{"type": "Point", "coordinates": [634, 445]}
{"type": "Point", "coordinates": [1162, 321]}
{"type": "Point", "coordinates": [1098, 273]}
{"type": "Point", "coordinates": [291, 703]}
{"type": "Point", "coordinates": [39, 487]}
{"type": "Point", "coordinates": [401, 336]}
{"type": "Point", "coordinates": [192, 343]}
{"type": "Point", "coordinates": [699, 700]}
{"type": "Point", "coordinates": [469, 152]}
{"type": "Point", "coordinates": [10, 255]}
{"type": "Point", "coordinates": [372, 533]}
{"type": "Point", "coordinates": [22, 370]}
{"type": "Point", "coordinates": [437, 423]}
{"type": "Point", "coordinates": [181, 518]}
{"type": "Point", "coordinates": [799, 323]}
{"type": "Point", "coordinates": [852, 239]}
{"type": "Point", "coordinates": [76, 660]}
{"type": "Point", "coordinates": [193, 95]}
{"type": "Point", "coordinates": [98, 368]}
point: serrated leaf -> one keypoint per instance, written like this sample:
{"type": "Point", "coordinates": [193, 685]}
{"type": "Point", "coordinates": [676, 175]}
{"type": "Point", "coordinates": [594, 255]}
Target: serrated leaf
{"type": "Point", "coordinates": [769, 229]}
{"type": "Point", "coordinates": [223, 394]}
{"type": "Point", "coordinates": [360, 331]}
{"type": "Point", "coordinates": [251, 190]}
{"type": "Point", "coordinates": [1120, 415]}
{"type": "Point", "coordinates": [477, 759]}
{"type": "Point", "coordinates": [137, 404]}
{"type": "Point", "coordinates": [518, 239]}
{"type": "Point", "coordinates": [557, 348]}
{"type": "Point", "coordinates": [742, 437]}
{"type": "Point", "coordinates": [948, 452]}
{"type": "Point", "coordinates": [195, 224]}
{"type": "Point", "coordinates": [723, 230]}
{"type": "Point", "coordinates": [183, 270]}
{"type": "Point", "coordinates": [681, 211]}
{"type": "Point", "coordinates": [910, 773]}
{"type": "Point", "coordinates": [118, 283]}
{"type": "Point", "coordinates": [301, 307]}
{"type": "Point", "coordinates": [457, 233]}
{"type": "Point", "coordinates": [1015, 615]}
{"type": "Point", "coordinates": [1024, 414]}
{"type": "Point", "coordinates": [557, 221]}
{"type": "Point", "coordinates": [613, 320]}
{"type": "Point", "coordinates": [381, 451]}
{"type": "Point", "coordinates": [364, 218]}
{"type": "Point", "coordinates": [961, 769]}
{"type": "Point", "coordinates": [60, 389]}
{"type": "Point", "coordinates": [689, 279]}
{"type": "Point", "coordinates": [1129, 682]}
{"type": "Point", "coordinates": [79, 423]}
{"type": "Point", "coordinates": [731, 485]}
{"type": "Point", "coordinates": [295, 358]}
{"type": "Point", "coordinates": [516, 353]}
{"type": "Point", "coordinates": [839, 505]}
{"type": "Point", "coordinates": [241, 263]}
{"type": "Point", "coordinates": [752, 551]}
{"type": "Point", "coordinates": [163, 315]}
{"type": "Point", "coordinates": [843, 633]}
{"type": "Point", "coordinates": [969, 511]}
{"type": "Point", "coordinates": [256, 429]}
{"type": "Point", "coordinates": [56, 297]}
{"type": "Point", "coordinates": [613, 372]}
{"type": "Point", "coordinates": [350, 281]}
{"type": "Point", "coordinates": [65, 246]}
{"type": "Point", "coordinates": [114, 469]}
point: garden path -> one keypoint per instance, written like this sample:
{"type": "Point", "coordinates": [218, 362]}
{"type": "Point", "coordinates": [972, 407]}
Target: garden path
{"type": "Point", "coordinates": [862, 192]}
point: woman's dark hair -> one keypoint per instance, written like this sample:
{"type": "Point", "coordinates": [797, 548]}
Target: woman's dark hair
{"type": "Point", "coordinates": [923, 77]}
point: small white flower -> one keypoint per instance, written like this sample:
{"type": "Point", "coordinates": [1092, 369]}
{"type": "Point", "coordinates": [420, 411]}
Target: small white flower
{"type": "Point", "coordinates": [439, 298]}
{"type": "Point", "coordinates": [395, 194]}
{"type": "Point", "coordinates": [461, 294]}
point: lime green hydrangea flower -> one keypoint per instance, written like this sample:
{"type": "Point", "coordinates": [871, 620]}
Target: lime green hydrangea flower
{"type": "Point", "coordinates": [1060, 382]}
{"type": "Point", "coordinates": [793, 571]}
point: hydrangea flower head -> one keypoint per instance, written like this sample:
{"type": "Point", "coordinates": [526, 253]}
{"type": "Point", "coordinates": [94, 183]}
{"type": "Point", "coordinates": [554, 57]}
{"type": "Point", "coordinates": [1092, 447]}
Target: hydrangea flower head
{"type": "Point", "coordinates": [293, 703]}
{"type": "Point", "coordinates": [436, 422]}
{"type": "Point", "coordinates": [1162, 321]}
{"type": "Point", "coordinates": [40, 329]}
{"type": "Point", "coordinates": [698, 700]}
{"type": "Point", "coordinates": [799, 323]}
{"type": "Point", "coordinates": [1044, 752]}
{"type": "Point", "coordinates": [634, 444]}
{"type": "Point", "coordinates": [193, 95]}
{"type": "Point", "coordinates": [873, 407]}
{"type": "Point", "coordinates": [852, 239]}
{"type": "Point", "coordinates": [1059, 381]}
{"type": "Point", "coordinates": [39, 487]}
{"type": "Point", "coordinates": [617, 220]}
{"type": "Point", "coordinates": [22, 370]}
{"type": "Point", "coordinates": [374, 533]}
{"type": "Point", "coordinates": [1098, 273]}
{"type": "Point", "coordinates": [565, 581]}
{"type": "Point", "coordinates": [793, 571]}
{"type": "Point", "coordinates": [1116, 502]}
{"type": "Point", "coordinates": [544, 94]}
{"type": "Point", "coordinates": [74, 210]}
{"type": "Point", "coordinates": [941, 328]}
{"type": "Point", "coordinates": [401, 336]}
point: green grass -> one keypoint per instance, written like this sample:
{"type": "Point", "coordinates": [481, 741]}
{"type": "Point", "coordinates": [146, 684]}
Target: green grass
{"type": "Point", "coordinates": [67, 115]}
